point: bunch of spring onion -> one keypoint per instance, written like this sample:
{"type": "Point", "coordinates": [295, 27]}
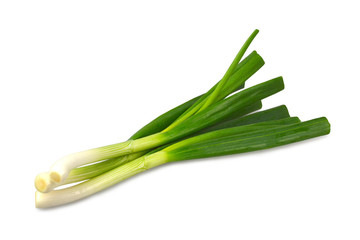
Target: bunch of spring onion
{"type": "Point", "coordinates": [212, 124]}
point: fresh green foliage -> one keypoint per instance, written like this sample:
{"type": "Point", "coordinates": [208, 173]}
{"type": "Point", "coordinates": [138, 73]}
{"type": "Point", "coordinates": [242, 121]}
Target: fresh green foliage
{"type": "Point", "coordinates": [220, 122]}
{"type": "Point", "coordinates": [244, 70]}
{"type": "Point", "coordinates": [218, 92]}
{"type": "Point", "coordinates": [214, 96]}
{"type": "Point", "coordinates": [241, 139]}
{"type": "Point", "coordinates": [236, 119]}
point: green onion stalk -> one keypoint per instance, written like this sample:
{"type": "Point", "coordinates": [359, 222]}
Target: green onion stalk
{"type": "Point", "coordinates": [220, 122]}
{"type": "Point", "coordinates": [226, 141]}
{"type": "Point", "coordinates": [238, 119]}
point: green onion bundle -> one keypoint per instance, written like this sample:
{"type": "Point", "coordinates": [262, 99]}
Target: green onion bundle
{"type": "Point", "coordinates": [212, 124]}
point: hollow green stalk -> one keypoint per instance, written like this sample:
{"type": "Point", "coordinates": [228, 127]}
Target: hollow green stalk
{"type": "Point", "coordinates": [213, 94]}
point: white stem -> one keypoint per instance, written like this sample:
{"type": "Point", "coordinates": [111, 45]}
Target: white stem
{"type": "Point", "coordinates": [43, 183]}
{"type": "Point", "coordinates": [61, 169]}
{"type": "Point", "coordinates": [46, 182]}
{"type": "Point", "coordinates": [94, 185]}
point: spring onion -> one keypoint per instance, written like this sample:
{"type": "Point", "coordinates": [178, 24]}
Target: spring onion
{"type": "Point", "coordinates": [219, 122]}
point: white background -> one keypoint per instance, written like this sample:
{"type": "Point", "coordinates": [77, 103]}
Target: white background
{"type": "Point", "coordinates": [82, 74]}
